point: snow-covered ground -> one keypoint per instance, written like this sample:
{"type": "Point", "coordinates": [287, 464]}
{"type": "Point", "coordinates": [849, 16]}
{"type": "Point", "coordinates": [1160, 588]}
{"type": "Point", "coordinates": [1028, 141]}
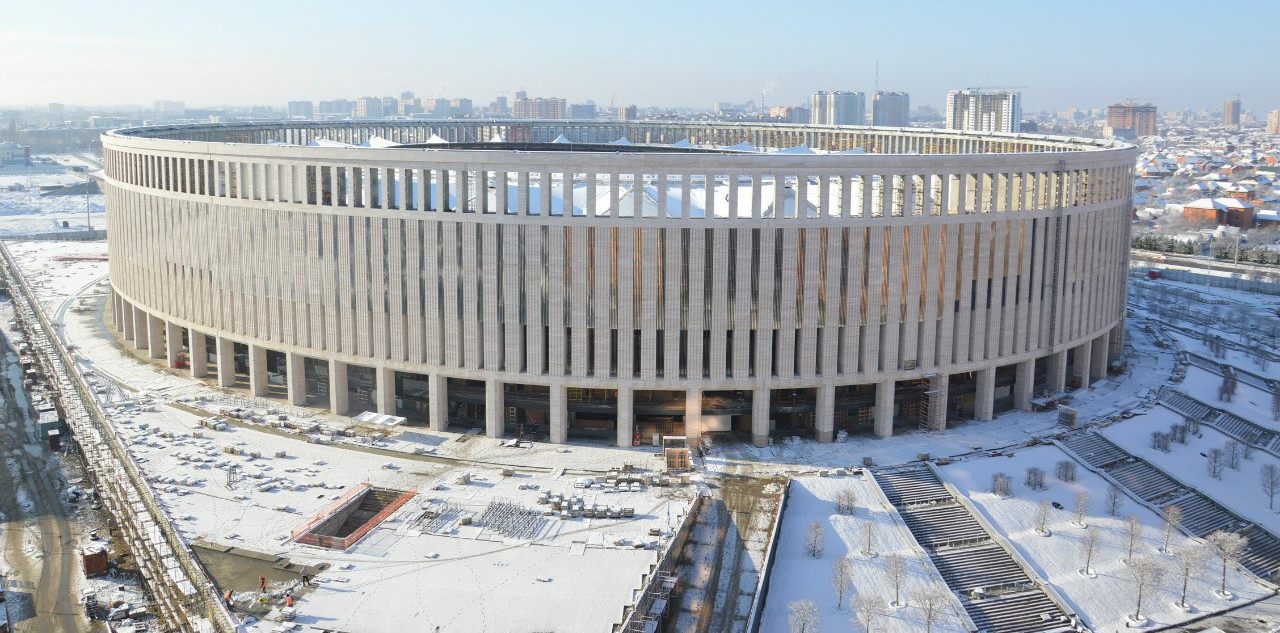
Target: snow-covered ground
{"type": "Point", "coordinates": [1249, 402]}
{"type": "Point", "coordinates": [1237, 490]}
{"type": "Point", "coordinates": [798, 576]}
{"type": "Point", "coordinates": [24, 211]}
{"type": "Point", "coordinates": [1106, 598]}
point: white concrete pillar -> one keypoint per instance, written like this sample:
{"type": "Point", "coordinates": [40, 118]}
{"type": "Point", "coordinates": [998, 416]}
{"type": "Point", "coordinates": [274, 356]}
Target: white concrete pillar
{"type": "Point", "coordinates": [626, 416]}
{"type": "Point", "coordinates": [1080, 363]}
{"type": "Point", "coordinates": [118, 310]}
{"type": "Point", "coordinates": [558, 416]}
{"type": "Point", "coordinates": [257, 370]}
{"type": "Point", "coordinates": [1057, 377]}
{"type": "Point", "coordinates": [172, 343]}
{"type": "Point", "coordinates": [760, 417]}
{"type": "Point", "coordinates": [295, 378]}
{"type": "Point", "coordinates": [1024, 385]}
{"type": "Point", "coordinates": [693, 415]}
{"type": "Point", "coordinates": [1098, 357]}
{"type": "Point", "coordinates": [825, 414]}
{"type": "Point", "coordinates": [1116, 342]}
{"type": "Point", "coordinates": [495, 407]}
{"type": "Point", "coordinates": [438, 402]}
{"type": "Point", "coordinates": [936, 416]}
{"type": "Point", "coordinates": [198, 353]}
{"type": "Point", "coordinates": [155, 337]}
{"type": "Point", "coordinates": [140, 328]}
{"type": "Point", "coordinates": [883, 426]}
{"type": "Point", "coordinates": [984, 398]}
{"type": "Point", "coordinates": [226, 361]}
{"type": "Point", "coordinates": [385, 385]}
{"type": "Point", "coordinates": [339, 397]}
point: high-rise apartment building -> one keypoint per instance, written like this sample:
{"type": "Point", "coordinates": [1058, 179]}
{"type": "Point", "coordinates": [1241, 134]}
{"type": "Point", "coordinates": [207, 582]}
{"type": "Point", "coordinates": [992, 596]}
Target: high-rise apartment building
{"type": "Point", "coordinates": [337, 107]}
{"type": "Point", "coordinates": [369, 108]}
{"type": "Point", "coordinates": [1231, 113]}
{"type": "Point", "coordinates": [790, 114]}
{"type": "Point", "coordinates": [57, 113]}
{"type": "Point", "coordinates": [891, 109]}
{"type": "Point", "coordinates": [462, 106]}
{"type": "Point", "coordinates": [301, 110]}
{"type": "Point", "coordinates": [628, 113]}
{"type": "Point", "coordinates": [1141, 118]}
{"type": "Point", "coordinates": [583, 112]}
{"type": "Point", "coordinates": [980, 110]}
{"type": "Point", "coordinates": [1273, 122]}
{"type": "Point", "coordinates": [838, 108]}
{"type": "Point", "coordinates": [539, 108]}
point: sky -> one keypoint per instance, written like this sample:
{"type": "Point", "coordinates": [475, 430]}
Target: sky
{"type": "Point", "coordinates": [1086, 53]}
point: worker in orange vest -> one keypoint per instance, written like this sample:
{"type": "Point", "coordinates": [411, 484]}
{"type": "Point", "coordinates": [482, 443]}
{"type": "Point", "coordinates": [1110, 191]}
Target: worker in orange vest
{"type": "Point", "coordinates": [226, 598]}
{"type": "Point", "coordinates": [288, 600]}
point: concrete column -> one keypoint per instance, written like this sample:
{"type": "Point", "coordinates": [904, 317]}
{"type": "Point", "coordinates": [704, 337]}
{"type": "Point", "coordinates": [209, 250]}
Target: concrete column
{"type": "Point", "coordinates": [438, 402]}
{"type": "Point", "coordinates": [385, 383]}
{"type": "Point", "coordinates": [226, 361]}
{"type": "Point", "coordinates": [257, 370]}
{"type": "Point", "coordinates": [937, 413]}
{"type": "Point", "coordinates": [883, 425]}
{"type": "Point", "coordinates": [760, 417]}
{"type": "Point", "coordinates": [1080, 363]}
{"type": "Point", "coordinates": [295, 378]}
{"type": "Point", "coordinates": [558, 420]}
{"type": "Point", "coordinates": [984, 400]}
{"type": "Point", "coordinates": [117, 311]}
{"type": "Point", "coordinates": [198, 354]}
{"type": "Point", "coordinates": [339, 398]}
{"type": "Point", "coordinates": [126, 319]}
{"type": "Point", "coordinates": [1116, 342]}
{"type": "Point", "coordinates": [1098, 357]}
{"type": "Point", "coordinates": [693, 415]}
{"type": "Point", "coordinates": [1024, 385]}
{"type": "Point", "coordinates": [140, 328]}
{"type": "Point", "coordinates": [172, 343]}
{"type": "Point", "coordinates": [1057, 371]}
{"type": "Point", "coordinates": [155, 337]}
{"type": "Point", "coordinates": [494, 407]}
{"type": "Point", "coordinates": [825, 414]}
{"type": "Point", "coordinates": [626, 416]}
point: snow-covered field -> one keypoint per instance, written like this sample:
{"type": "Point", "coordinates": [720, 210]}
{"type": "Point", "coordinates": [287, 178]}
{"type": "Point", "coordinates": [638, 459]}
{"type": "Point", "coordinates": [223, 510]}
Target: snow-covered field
{"type": "Point", "coordinates": [797, 576]}
{"type": "Point", "coordinates": [23, 210]}
{"type": "Point", "coordinates": [1237, 490]}
{"type": "Point", "coordinates": [1106, 598]}
{"type": "Point", "coordinates": [1249, 402]}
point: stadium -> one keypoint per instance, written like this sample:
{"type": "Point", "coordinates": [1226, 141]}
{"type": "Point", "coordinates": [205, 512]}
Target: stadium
{"type": "Point", "coordinates": [586, 281]}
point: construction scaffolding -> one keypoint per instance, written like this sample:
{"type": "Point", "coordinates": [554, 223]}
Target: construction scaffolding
{"type": "Point", "coordinates": [184, 596]}
{"type": "Point", "coordinates": [931, 404]}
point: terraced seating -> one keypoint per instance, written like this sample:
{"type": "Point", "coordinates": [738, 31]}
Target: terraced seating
{"type": "Point", "coordinates": [987, 567]}
{"type": "Point", "coordinates": [1201, 516]}
{"type": "Point", "coordinates": [1262, 556]}
{"type": "Point", "coordinates": [1030, 612]}
{"type": "Point", "coordinates": [1147, 481]}
{"type": "Point", "coordinates": [943, 525]}
{"type": "Point", "coordinates": [912, 487]}
{"type": "Point", "coordinates": [1096, 450]}
{"type": "Point", "coordinates": [1186, 405]}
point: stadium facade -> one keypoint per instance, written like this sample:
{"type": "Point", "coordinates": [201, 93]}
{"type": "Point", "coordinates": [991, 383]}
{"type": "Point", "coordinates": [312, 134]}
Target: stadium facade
{"type": "Point", "coordinates": [566, 279]}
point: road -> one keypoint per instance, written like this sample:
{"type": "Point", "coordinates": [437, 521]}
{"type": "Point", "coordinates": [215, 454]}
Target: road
{"type": "Point", "coordinates": [39, 544]}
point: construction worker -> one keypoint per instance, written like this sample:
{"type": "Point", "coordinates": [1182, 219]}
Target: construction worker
{"type": "Point", "coordinates": [306, 580]}
{"type": "Point", "coordinates": [226, 598]}
{"type": "Point", "coordinates": [288, 599]}
{"type": "Point", "coordinates": [262, 583]}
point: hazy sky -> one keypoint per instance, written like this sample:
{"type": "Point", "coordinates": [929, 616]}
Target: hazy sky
{"type": "Point", "coordinates": [1087, 53]}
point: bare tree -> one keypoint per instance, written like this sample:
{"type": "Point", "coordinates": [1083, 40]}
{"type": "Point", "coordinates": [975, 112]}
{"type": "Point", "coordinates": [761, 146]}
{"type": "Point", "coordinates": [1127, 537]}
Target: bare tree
{"type": "Point", "coordinates": [1065, 470]}
{"type": "Point", "coordinates": [1146, 572]}
{"type": "Point", "coordinates": [935, 606]}
{"type": "Point", "coordinates": [841, 569]}
{"type": "Point", "coordinates": [803, 616]}
{"type": "Point", "coordinates": [1002, 485]}
{"type": "Point", "coordinates": [1082, 507]}
{"type": "Point", "coordinates": [846, 501]}
{"type": "Point", "coordinates": [1227, 390]}
{"type": "Point", "coordinates": [1270, 480]}
{"type": "Point", "coordinates": [1035, 478]}
{"type": "Point", "coordinates": [1088, 546]}
{"type": "Point", "coordinates": [1114, 500]}
{"type": "Point", "coordinates": [1190, 560]}
{"type": "Point", "coordinates": [1132, 532]}
{"type": "Point", "coordinates": [1215, 459]}
{"type": "Point", "coordinates": [1234, 453]}
{"type": "Point", "coordinates": [813, 544]}
{"type": "Point", "coordinates": [1227, 546]}
{"type": "Point", "coordinates": [869, 538]}
{"type": "Point", "coordinates": [895, 566]}
{"type": "Point", "coordinates": [1042, 518]}
{"type": "Point", "coordinates": [1172, 516]}
{"type": "Point", "coordinates": [869, 609]}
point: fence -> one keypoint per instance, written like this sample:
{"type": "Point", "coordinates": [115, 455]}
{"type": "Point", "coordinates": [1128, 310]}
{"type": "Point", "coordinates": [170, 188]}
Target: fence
{"type": "Point", "coordinates": [185, 595]}
{"type": "Point", "coordinates": [345, 542]}
{"type": "Point", "coordinates": [654, 588]}
{"type": "Point", "coordinates": [1247, 284]}
{"type": "Point", "coordinates": [771, 552]}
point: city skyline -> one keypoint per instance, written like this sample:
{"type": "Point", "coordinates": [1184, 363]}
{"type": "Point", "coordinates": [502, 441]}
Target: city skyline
{"type": "Point", "coordinates": [181, 54]}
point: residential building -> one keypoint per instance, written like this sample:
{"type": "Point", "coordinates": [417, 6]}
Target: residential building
{"type": "Point", "coordinates": [790, 114]}
{"type": "Point", "coordinates": [539, 108]}
{"type": "Point", "coordinates": [368, 108]}
{"type": "Point", "coordinates": [1273, 122]}
{"type": "Point", "coordinates": [583, 112]}
{"type": "Point", "coordinates": [301, 110]}
{"type": "Point", "coordinates": [337, 107]}
{"type": "Point", "coordinates": [1220, 211]}
{"type": "Point", "coordinates": [982, 110]}
{"type": "Point", "coordinates": [628, 113]}
{"type": "Point", "coordinates": [891, 109]}
{"type": "Point", "coordinates": [1141, 118]}
{"type": "Point", "coordinates": [838, 107]}
{"type": "Point", "coordinates": [1231, 113]}
{"type": "Point", "coordinates": [14, 154]}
